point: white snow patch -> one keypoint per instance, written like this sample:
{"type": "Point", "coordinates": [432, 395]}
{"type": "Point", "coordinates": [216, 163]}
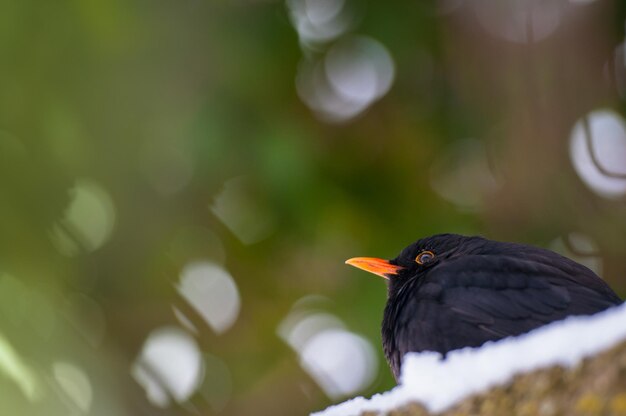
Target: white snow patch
{"type": "Point", "coordinates": [438, 384]}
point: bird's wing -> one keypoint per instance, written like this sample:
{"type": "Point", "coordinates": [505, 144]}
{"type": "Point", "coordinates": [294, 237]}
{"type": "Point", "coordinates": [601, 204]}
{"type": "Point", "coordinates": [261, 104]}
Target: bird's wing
{"type": "Point", "coordinates": [474, 299]}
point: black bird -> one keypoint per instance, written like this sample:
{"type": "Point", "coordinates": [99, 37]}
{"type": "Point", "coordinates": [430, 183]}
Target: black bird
{"type": "Point", "coordinates": [449, 291]}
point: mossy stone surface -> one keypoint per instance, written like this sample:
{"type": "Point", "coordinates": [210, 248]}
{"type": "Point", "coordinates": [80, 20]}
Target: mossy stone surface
{"type": "Point", "coordinates": [595, 387]}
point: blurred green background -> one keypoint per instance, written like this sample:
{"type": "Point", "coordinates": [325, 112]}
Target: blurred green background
{"type": "Point", "coordinates": [181, 182]}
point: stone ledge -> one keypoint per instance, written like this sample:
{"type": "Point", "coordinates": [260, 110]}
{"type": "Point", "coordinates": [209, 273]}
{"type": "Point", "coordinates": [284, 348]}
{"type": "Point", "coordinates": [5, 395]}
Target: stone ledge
{"type": "Point", "coordinates": [597, 386]}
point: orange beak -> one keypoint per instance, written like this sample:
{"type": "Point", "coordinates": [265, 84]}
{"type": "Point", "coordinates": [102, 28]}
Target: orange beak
{"type": "Point", "coordinates": [373, 265]}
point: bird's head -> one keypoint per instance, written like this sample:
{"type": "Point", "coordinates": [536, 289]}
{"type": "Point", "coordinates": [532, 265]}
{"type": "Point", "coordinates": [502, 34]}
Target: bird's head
{"type": "Point", "coordinates": [420, 256]}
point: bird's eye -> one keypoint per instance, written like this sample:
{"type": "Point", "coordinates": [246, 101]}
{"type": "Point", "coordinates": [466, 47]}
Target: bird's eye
{"type": "Point", "coordinates": [424, 257]}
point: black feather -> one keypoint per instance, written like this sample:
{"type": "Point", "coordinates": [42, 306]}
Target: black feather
{"type": "Point", "coordinates": [477, 290]}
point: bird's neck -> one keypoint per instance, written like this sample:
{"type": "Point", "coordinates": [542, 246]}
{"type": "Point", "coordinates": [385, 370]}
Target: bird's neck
{"type": "Point", "coordinates": [397, 293]}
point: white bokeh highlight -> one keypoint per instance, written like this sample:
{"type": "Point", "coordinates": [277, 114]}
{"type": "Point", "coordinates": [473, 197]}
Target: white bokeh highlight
{"type": "Point", "coordinates": [14, 368]}
{"type": "Point", "coordinates": [88, 221]}
{"type": "Point", "coordinates": [319, 21]}
{"type": "Point", "coordinates": [212, 292]}
{"type": "Point", "coordinates": [300, 328]}
{"type": "Point", "coordinates": [338, 360]}
{"type": "Point", "coordinates": [74, 383]}
{"type": "Point", "coordinates": [356, 72]}
{"type": "Point", "coordinates": [169, 366]}
{"type": "Point", "coordinates": [519, 21]}
{"type": "Point", "coordinates": [360, 69]}
{"type": "Point", "coordinates": [607, 132]}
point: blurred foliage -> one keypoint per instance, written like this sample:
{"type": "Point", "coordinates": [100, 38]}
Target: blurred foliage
{"type": "Point", "coordinates": [123, 124]}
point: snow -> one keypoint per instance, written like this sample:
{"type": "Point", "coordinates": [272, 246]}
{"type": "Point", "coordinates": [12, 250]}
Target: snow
{"type": "Point", "coordinates": [438, 384]}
